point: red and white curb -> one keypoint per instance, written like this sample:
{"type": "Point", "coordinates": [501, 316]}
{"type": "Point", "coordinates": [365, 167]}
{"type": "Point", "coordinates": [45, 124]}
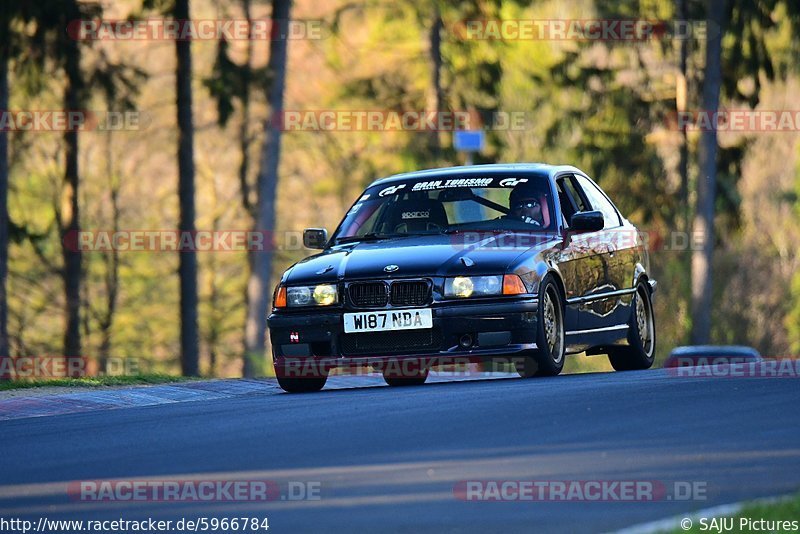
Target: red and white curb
{"type": "Point", "coordinates": [82, 401]}
{"type": "Point", "coordinates": [133, 397]}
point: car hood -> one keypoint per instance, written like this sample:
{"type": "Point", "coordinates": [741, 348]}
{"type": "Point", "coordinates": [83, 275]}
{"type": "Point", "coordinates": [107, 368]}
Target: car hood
{"type": "Point", "coordinates": [416, 256]}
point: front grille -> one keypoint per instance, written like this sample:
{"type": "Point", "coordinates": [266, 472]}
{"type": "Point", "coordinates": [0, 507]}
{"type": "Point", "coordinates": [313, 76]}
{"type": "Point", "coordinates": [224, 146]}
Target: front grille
{"type": "Point", "coordinates": [396, 342]}
{"type": "Point", "coordinates": [368, 294]}
{"type": "Point", "coordinates": [412, 293]}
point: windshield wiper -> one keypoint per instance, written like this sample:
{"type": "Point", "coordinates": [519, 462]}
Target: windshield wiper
{"type": "Point", "coordinates": [369, 236]}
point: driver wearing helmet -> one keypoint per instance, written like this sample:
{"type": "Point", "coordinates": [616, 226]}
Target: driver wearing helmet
{"type": "Point", "coordinates": [525, 204]}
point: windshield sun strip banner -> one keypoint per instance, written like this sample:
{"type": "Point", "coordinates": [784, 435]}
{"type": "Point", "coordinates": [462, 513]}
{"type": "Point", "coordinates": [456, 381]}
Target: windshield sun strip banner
{"type": "Point", "coordinates": [451, 183]}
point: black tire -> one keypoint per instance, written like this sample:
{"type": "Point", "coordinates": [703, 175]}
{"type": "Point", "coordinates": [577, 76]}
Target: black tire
{"type": "Point", "coordinates": [304, 376]}
{"type": "Point", "coordinates": [548, 359]}
{"type": "Point", "coordinates": [641, 350]}
{"type": "Point", "coordinates": [416, 378]}
{"type": "Point", "coordinates": [302, 384]}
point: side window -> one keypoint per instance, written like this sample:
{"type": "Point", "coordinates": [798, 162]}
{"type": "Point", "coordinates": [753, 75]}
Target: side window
{"type": "Point", "coordinates": [600, 202]}
{"type": "Point", "coordinates": [570, 199]}
{"type": "Point", "coordinates": [567, 207]}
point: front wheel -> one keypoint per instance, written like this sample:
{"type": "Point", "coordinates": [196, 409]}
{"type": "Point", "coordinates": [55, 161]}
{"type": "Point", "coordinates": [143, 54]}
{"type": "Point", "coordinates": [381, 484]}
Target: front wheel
{"type": "Point", "coordinates": [416, 377]}
{"type": "Point", "coordinates": [641, 349]}
{"type": "Point", "coordinates": [548, 359]}
{"type": "Point", "coordinates": [302, 385]}
{"type": "Point", "coordinates": [301, 378]}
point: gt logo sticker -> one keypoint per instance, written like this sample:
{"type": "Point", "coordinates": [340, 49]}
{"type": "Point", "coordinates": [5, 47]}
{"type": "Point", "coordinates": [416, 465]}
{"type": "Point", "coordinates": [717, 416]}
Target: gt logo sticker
{"type": "Point", "coordinates": [391, 190]}
{"type": "Point", "coordinates": [512, 182]}
{"type": "Point", "coordinates": [415, 215]}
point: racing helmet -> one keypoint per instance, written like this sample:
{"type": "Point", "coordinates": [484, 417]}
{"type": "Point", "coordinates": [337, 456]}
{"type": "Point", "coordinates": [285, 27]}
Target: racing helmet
{"type": "Point", "coordinates": [528, 203]}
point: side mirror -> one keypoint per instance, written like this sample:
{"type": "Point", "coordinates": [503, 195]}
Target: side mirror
{"type": "Point", "coordinates": [587, 221]}
{"type": "Point", "coordinates": [315, 237]}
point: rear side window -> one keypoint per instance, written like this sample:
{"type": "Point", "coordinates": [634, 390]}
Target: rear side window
{"type": "Point", "coordinates": [600, 202]}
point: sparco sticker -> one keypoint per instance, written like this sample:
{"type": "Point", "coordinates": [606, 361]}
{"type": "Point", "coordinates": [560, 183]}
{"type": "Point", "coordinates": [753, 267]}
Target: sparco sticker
{"type": "Point", "coordinates": [415, 215]}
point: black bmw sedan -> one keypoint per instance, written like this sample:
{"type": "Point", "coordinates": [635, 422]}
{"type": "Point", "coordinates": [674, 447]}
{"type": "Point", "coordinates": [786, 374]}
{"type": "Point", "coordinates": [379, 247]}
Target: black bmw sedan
{"type": "Point", "coordinates": [522, 263]}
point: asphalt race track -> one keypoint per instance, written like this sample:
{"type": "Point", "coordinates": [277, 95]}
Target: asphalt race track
{"type": "Point", "coordinates": [388, 459]}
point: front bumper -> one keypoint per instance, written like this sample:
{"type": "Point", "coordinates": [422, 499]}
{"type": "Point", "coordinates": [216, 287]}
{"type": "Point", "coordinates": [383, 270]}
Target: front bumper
{"type": "Point", "coordinates": [496, 327]}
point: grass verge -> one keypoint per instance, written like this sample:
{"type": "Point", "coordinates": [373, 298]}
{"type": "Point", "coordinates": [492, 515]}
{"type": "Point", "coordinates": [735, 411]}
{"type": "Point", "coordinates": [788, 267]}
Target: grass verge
{"type": "Point", "coordinates": [92, 381]}
{"type": "Point", "coordinates": [783, 510]}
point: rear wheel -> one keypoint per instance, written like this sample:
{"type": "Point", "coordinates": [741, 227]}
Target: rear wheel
{"type": "Point", "coordinates": [548, 359]}
{"type": "Point", "coordinates": [641, 349]}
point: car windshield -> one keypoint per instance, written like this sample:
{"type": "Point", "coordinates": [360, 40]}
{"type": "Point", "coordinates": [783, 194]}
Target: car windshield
{"type": "Point", "coordinates": [445, 205]}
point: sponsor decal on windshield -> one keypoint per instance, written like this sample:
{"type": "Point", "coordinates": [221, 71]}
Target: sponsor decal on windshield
{"type": "Point", "coordinates": [415, 215]}
{"type": "Point", "coordinates": [391, 190]}
{"type": "Point", "coordinates": [454, 182]}
{"type": "Point", "coordinates": [512, 182]}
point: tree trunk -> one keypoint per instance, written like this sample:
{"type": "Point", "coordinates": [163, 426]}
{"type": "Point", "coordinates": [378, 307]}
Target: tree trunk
{"type": "Point", "coordinates": [213, 329]}
{"type": "Point", "coordinates": [244, 131]}
{"type": "Point", "coordinates": [244, 168]}
{"type": "Point", "coordinates": [4, 59]}
{"type": "Point", "coordinates": [187, 269]}
{"type": "Point", "coordinates": [681, 101]}
{"type": "Point", "coordinates": [703, 226]}
{"type": "Point", "coordinates": [69, 215]}
{"type": "Point", "coordinates": [258, 286]}
{"type": "Point", "coordinates": [106, 322]}
{"type": "Point", "coordinates": [436, 98]}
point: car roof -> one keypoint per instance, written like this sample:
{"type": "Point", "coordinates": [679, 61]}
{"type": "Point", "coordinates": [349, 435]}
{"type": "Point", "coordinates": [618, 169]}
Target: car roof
{"type": "Point", "coordinates": [479, 170]}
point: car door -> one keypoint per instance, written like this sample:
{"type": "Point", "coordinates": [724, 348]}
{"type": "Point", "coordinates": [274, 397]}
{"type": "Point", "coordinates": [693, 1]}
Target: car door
{"type": "Point", "coordinates": [585, 265]}
{"type": "Point", "coordinates": [611, 310]}
{"type": "Point", "coordinates": [590, 268]}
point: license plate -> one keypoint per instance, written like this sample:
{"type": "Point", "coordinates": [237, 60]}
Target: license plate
{"type": "Point", "coordinates": [381, 321]}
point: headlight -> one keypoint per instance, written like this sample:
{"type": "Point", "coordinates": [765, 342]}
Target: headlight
{"type": "Point", "coordinates": [321, 295]}
{"type": "Point", "coordinates": [483, 286]}
{"type": "Point", "coordinates": [473, 286]}
{"type": "Point", "coordinates": [325, 295]}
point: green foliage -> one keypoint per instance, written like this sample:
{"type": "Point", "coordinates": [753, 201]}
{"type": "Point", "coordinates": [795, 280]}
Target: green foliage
{"type": "Point", "coordinates": [793, 317]}
{"type": "Point", "coordinates": [746, 50]}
